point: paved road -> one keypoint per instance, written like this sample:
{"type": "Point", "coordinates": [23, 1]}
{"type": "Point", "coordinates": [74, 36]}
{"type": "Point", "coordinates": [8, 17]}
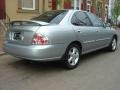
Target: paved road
{"type": "Point", "coordinates": [97, 71]}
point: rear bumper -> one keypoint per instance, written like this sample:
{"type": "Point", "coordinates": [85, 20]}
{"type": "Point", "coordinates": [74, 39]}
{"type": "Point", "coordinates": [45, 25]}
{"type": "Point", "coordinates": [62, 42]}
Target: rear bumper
{"type": "Point", "coordinates": [35, 52]}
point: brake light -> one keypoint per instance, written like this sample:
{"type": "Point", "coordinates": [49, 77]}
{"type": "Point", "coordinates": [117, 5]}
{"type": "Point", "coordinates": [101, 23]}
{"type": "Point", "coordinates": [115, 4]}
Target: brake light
{"type": "Point", "coordinates": [39, 40]}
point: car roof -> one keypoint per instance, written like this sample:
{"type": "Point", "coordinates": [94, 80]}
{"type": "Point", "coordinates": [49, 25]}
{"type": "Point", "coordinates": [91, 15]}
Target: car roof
{"type": "Point", "coordinates": [70, 10]}
{"type": "Point", "coordinates": [75, 10]}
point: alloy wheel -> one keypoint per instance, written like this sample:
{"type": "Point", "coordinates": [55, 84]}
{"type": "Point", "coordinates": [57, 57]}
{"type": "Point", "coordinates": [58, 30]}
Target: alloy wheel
{"type": "Point", "coordinates": [73, 56]}
{"type": "Point", "coordinates": [114, 44]}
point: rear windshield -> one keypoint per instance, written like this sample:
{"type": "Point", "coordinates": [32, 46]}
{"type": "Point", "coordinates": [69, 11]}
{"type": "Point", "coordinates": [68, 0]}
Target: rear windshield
{"type": "Point", "coordinates": [52, 16]}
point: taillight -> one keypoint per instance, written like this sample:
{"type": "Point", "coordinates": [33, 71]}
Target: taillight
{"type": "Point", "coordinates": [39, 40]}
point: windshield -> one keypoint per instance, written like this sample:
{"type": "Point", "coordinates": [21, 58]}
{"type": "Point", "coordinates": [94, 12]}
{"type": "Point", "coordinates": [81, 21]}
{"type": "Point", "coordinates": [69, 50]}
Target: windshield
{"type": "Point", "coordinates": [52, 16]}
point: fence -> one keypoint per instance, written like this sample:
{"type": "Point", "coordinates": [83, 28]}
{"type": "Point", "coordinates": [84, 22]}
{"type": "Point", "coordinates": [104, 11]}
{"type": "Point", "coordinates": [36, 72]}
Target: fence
{"type": "Point", "coordinates": [4, 23]}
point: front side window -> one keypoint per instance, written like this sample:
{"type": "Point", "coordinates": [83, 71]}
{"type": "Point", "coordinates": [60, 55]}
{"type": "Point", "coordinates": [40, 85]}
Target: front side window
{"type": "Point", "coordinates": [80, 18]}
{"type": "Point", "coordinates": [52, 16]}
{"type": "Point", "coordinates": [95, 20]}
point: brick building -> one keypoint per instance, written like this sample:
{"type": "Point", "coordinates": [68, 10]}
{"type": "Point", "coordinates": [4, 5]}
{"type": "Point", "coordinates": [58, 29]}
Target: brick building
{"type": "Point", "coordinates": [23, 9]}
{"type": "Point", "coordinates": [2, 9]}
{"type": "Point", "coordinates": [26, 9]}
{"type": "Point", "coordinates": [98, 7]}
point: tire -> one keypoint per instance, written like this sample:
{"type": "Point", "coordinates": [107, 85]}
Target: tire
{"type": "Point", "coordinates": [113, 45]}
{"type": "Point", "coordinates": [72, 56]}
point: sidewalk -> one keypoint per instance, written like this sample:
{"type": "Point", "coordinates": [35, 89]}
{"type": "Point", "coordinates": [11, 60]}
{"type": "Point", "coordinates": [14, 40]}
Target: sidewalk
{"type": "Point", "coordinates": [1, 41]}
{"type": "Point", "coordinates": [1, 44]}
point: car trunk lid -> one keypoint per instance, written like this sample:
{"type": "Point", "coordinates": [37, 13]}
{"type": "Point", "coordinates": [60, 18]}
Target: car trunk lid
{"type": "Point", "coordinates": [22, 32]}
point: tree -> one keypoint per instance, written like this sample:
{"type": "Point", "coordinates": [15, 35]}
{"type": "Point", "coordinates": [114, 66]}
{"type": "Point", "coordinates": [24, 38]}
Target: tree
{"type": "Point", "coordinates": [116, 9]}
{"type": "Point", "coordinates": [98, 6]}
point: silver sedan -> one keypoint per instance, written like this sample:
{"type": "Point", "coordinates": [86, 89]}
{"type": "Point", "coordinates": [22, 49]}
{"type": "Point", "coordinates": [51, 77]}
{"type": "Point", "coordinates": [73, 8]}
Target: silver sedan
{"type": "Point", "coordinates": [59, 35]}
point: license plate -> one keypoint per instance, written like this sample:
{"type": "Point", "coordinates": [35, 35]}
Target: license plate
{"type": "Point", "coordinates": [17, 36]}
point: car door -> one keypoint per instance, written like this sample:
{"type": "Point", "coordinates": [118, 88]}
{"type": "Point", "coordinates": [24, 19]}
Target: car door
{"type": "Point", "coordinates": [102, 35]}
{"type": "Point", "coordinates": [85, 32]}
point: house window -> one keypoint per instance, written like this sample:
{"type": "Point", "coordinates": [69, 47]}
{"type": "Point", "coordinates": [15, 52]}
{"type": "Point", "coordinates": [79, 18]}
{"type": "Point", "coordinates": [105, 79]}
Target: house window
{"type": "Point", "coordinates": [28, 4]}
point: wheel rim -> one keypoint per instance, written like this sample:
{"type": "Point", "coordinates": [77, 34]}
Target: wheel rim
{"type": "Point", "coordinates": [114, 44]}
{"type": "Point", "coordinates": [73, 56]}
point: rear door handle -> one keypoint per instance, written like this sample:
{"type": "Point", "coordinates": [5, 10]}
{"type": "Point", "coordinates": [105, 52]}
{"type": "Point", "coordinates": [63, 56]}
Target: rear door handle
{"type": "Point", "coordinates": [97, 30]}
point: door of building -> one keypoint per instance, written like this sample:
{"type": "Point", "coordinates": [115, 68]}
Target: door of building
{"type": "Point", "coordinates": [2, 9]}
{"type": "Point", "coordinates": [54, 4]}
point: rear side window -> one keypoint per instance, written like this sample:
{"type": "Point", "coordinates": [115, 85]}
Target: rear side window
{"type": "Point", "coordinates": [80, 18]}
{"type": "Point", "coordinates": [52, 16]}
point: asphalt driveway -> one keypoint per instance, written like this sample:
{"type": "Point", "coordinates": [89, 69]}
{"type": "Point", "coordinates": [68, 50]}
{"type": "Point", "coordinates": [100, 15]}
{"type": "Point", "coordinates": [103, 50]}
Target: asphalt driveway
{"type": "Point", "coordinates": [97, 71]}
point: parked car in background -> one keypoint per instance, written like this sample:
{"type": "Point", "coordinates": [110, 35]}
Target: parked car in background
{"type": "Point", "coordinates": [59, 35]}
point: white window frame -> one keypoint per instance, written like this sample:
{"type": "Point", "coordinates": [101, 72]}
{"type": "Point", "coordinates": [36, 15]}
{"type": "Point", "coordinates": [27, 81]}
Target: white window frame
{"type": "Point", "coordinates": [33, 8]}
{"type": "Point", "coordinates": [76, 3]}
{"type": "Point", "coordinates": [89, 2]}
